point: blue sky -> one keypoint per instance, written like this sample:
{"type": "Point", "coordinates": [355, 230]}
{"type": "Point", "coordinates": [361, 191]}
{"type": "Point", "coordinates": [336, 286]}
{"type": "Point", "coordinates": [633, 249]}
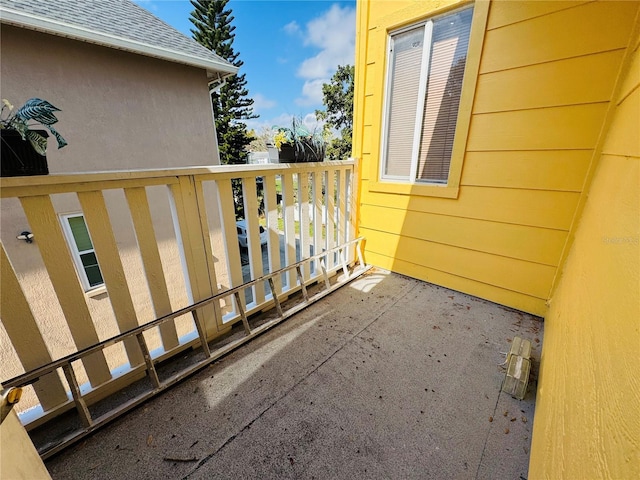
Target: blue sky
{"type": "Point", "coordinates": [289, 49]}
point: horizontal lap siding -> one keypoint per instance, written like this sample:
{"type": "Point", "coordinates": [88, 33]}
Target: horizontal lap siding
{"type": "Point", "coordinates": [547, 74]}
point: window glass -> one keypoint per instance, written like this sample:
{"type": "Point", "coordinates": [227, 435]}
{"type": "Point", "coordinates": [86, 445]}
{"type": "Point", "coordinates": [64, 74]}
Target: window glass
{"type": "Point", "coordinates": [82, 251]}
{"type": "Point", "coordinates": [425, 83]}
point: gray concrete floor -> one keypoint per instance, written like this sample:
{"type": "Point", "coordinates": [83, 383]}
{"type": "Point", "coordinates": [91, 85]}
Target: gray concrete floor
{"type": "Point", "coordinates": [389, 377]}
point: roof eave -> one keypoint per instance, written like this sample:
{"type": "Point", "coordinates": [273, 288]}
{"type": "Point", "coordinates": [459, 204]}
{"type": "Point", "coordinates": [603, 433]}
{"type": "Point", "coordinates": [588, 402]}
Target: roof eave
{"type": "Point", "coordinates": [214, 68]}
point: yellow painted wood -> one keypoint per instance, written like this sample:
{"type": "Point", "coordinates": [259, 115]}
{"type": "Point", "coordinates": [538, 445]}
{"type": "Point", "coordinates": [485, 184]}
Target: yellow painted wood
{"type": "Point", "coordinates": [523, 207]}
{"type": "Point", "coordinates": [519, 301]}
{"type": "Point", "coordinates": [631, 81]}
{"type": "Point", "coordinates": [532, 244]}
{"type": "Point", "coordinates": [27, 341]}
{"type": "Point", "coordinates": [289, 227]}
{"type": "Point", "coordinates": [531, 279]}
{"type": "Point", "coordinates": [303, 199]}
{"type": "Point", "coordinates": [563, 170]}
{"type": "Point", "coordinates": [623, 137]}
{"type": "Point", "coordinates": [586, 29]}
{"type": "Point", "coordinates": [572, 127]}
{"type": "Point", "coordinates": [228, 214]}
{"type": "Point", "coordinates": [193, 240]}
{"type": "Point", "coordinates": [591, 339]}
{"type": "Point", "coordinates": [271, 210]}
{"type": "Point", "coordinates": [506, 12]}
{"type": "Point", "coordinates": [106, 249]}
{"type": "Point", "coordinates": [57, 259]}
{"type": "Point", "coordinates": [585, 79]}
{"type": "Point", "coordinates": [208, 251]}
{"type": "Point", "coordinates": [148, 245]}
{"type": "Point", "coordinates": [253, 235]}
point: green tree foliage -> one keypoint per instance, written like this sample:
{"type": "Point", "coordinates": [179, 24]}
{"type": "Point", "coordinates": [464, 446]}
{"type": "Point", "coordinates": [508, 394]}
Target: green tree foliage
{"type": "Point", "coordinates": [338, 101]}
{"type": "Point", "coordinates": [231, 104]}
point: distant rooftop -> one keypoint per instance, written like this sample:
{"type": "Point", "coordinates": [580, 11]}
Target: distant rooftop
{"type": "Point", "coordinates": [119, 24]}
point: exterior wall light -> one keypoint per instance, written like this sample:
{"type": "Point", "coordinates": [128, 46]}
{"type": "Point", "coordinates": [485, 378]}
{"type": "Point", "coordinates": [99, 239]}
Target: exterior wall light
{"type": "Point", "coordinates": [26, 236]}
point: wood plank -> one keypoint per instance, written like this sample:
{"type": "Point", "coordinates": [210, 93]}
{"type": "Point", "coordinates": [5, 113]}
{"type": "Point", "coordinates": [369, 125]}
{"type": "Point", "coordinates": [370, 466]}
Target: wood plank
{"type": "Point", "coordinates": [318, 242]}
{"type": "Point", "coordinates": [622, 136]}
{"type": "Point", "coordinates": [303, 201]}
{"type": "Point", "coordinates": [632, 78]}
{"type": "Point", "coordinates": [519, 301]}
{"type": "Point", "coordinates": [62, 273]}
{"type": "Point", "coordinates": [254, 248]}
{"type": "Point", "coordinates": [228, 215]}
{"type": "Point", "coordinates": [564, 34]}
{"type": "Point", "coordinates": [537, 208]}
{"type": "Point", "coordinates": [330, 202]}
{"type": "Point", "coordinates": [148, 245]}
{"type": "Point", "coordinates": [26, 338]}
{"type": "Point", "coordinates": [106, 249]}
{"type": "Point", "coordinates": [271, 209]}
{"type": "Point", "coordinates": [586, 79]}
{"type": "Point", "coordinates": [563, 170]}
{"type": "Point", "coordinates": [572, 127]}
{"type": "Point", "coordinates": [531, 244]}
{"type": "Point", "coordinates": [528, 278]}
{"type": "Point", "coordinates": [506, 12]}
{"type": "Point", "coordinates": [289, 226]}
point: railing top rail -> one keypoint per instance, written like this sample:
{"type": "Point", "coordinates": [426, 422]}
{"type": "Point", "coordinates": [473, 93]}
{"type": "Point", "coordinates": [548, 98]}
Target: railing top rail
{"type": "Point", "coordinates": [31, 376]}
{"type": "Point", "coordinates": [72, 182]}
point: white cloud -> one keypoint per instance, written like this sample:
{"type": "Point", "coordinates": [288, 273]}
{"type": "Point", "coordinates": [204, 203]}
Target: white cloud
{"type": "Point", "coordinates": [292, 28]}
{"type": "Point", "coordinates": [311, 92]}
{"type": "Point", "coordinates": [260, 102]}
{"type": "Point", "coordinates": [334, 34]}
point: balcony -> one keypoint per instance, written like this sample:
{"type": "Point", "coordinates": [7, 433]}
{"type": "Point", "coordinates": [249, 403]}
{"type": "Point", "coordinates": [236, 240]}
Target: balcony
{"type": "Point", "coordinates": [387, 376]}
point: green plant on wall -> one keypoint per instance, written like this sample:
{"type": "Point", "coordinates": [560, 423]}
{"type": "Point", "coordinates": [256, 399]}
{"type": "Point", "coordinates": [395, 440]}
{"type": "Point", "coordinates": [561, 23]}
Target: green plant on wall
{"type": "Point", "coordinates": [34, 113]}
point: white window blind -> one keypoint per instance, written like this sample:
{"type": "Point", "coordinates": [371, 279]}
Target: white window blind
{"type": "Point", "coordinates": [425, 83]}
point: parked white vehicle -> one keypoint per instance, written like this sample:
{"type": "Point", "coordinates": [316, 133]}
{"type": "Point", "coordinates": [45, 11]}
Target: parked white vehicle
{"type": "Point", "coordinates": [241, 227]}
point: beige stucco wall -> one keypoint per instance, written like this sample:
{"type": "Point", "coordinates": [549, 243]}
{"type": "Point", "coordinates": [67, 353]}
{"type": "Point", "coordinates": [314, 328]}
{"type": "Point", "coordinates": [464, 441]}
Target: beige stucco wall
{"type": "Point", "coordinates": [120, 111]}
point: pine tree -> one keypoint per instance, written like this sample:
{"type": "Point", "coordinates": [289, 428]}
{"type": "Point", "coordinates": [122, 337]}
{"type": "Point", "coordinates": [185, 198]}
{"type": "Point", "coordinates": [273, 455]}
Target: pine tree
{"type": "Point", "coordinates": [231, 104]}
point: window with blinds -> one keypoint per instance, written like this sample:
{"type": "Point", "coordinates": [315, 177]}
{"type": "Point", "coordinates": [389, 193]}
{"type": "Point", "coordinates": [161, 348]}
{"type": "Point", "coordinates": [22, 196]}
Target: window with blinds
{"type": "Point", "coordinates": [426, 69]}
{"type": "Point", "coordinates": [82, 251]}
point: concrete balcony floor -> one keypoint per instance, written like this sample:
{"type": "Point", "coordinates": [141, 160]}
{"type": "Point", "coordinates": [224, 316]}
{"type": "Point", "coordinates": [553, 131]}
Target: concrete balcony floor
{"type": "Point", "coordinates": [389, 377]}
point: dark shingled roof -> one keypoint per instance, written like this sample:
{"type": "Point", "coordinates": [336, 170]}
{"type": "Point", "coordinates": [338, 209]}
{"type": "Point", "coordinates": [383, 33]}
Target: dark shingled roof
{"type": "Point", "coordinates": [118, 24]}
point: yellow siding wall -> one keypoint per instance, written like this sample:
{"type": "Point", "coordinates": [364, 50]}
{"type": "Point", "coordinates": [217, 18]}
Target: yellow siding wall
{"type": "Point", "coordinates": [546, 78]}
{"type": "Point", "coordinates": [587, 422]}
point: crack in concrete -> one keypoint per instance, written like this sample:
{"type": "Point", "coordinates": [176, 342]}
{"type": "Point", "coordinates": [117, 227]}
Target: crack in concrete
{"type": "Point", "coordinates": [208, 457]}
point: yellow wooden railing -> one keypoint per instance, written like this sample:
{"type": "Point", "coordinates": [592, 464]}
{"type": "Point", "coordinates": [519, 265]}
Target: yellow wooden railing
{"type": "Point", "coordinates": [308, 208]}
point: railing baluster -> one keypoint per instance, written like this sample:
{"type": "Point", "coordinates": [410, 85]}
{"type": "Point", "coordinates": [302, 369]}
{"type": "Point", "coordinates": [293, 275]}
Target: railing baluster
{"type": "Point", "coordinates": [330, 202]}
{"type": "Point", "coordinates": [104, 243]}
{"type": "Point", "coordinates": [55, 254]}
{"type": "Point", "coordinates": [228, 215]}
{"type": "Point", "coordinates": [289, 227]}
{"type": "Point", "coordinates": [271, 208]}
{"type": "Point", "coordinates": [25, 335]}
{"type": "Point", "coordinates": [318, 228]}
{"type": "Point", "coordinates": [151, 369]}
{"type": "Point", "coordinates": [303, 199]}
{"type": "Point", "coordinates": [352, 206]}
{"type": "Point", "coordinates": [254, 247]}
{"type": "Point", "coordinates": [148, 245]}
{"type": "Point", "coordinates": [81, 405]}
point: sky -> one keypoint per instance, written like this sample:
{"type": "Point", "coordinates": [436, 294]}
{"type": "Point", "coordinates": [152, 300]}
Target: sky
{"type": "Point", "coordinates": [289, 49]}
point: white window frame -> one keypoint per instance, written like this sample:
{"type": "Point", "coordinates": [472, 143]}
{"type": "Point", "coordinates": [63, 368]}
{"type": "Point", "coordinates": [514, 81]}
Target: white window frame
{"type": "Point", "coordinates": [422, 90]}
{"type": "Point", "coordinates": [75, 253]}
